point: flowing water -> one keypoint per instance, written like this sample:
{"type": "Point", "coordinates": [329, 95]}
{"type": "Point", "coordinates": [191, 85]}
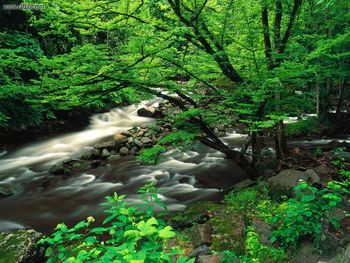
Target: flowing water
{"type": "Point", "coordinates": [42, 200]}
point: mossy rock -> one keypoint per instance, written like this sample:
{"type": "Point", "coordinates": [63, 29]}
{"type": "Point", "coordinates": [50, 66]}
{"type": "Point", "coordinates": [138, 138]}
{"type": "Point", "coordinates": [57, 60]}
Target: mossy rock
{"type": "Point", "coordinates": [80, 166]}
{"type": "Point", "coordinates": [21, 247]}
{"type": "Point", "coordinates": [228, 232]}
{"type": "Point", "coordinates": [197, 213]}
{"type": "Point", "coordinates": [6, 190]}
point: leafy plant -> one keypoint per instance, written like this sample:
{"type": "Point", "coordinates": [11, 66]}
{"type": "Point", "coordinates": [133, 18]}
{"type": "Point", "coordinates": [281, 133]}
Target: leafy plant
{"type": "Point", "coordinates": [256, 252]}
{"type": "Point", "coordinates": [128, 235]}
{"type": "Point", "coordinates": [306, 213]}
{"type": "Point", "coordinates": [262, 253]}
{"type": "Point", "coordinates": [253, 201]}
{"type": "Point", "coordinates": [318, 152]}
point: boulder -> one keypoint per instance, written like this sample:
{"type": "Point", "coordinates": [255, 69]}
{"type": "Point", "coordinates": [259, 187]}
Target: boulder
{"type": "Point", "coordinates": [307, 253]}
{"type": "Point", "coordinates": [105, 154]}
{"type": "Point", "coordinates": [80, 166]}
{"type": "Point", "coordinates": [329, 244]}
{"type": "Point", "coordinates": [263, 229]}
{"type": "Point", "coordinates": [322, 170]}
{"type": "Point", "coordinates": [93, 154]}
{"type": "Point", "coordinates": [109, 145]}
{"type": "Point", "coordinates": [57, 169]}
{"type": "Point", "coordinates": [96, 163]}
{"type": "Point", "coordinates": [201, 235]}
{"type": "Point", "coordinates": [21, 247]}
{"type": "Point", "coordinates": [138, 143]}
{"type": "Point", "coordinates": [120, 138]}
{"type": "Point", "coordinates": [228, 232]}
{"type": "Point", "coordinates": [126, 133]}
{"type": "Point", "coordinates": [124, 151]}
{"type": "Point", "coordinates": [343, 256]}
{"type": "Point", "coordinates": [150, 112]}
{"type": "Point", "coordinates": [6, 190]}
{"type": "Point", "coordinates": [146, 140]}
{"type": "Point", "coordinates": [199, 251]}
{"type": "Point", "coordinates": [313, 176]}
{"type": "Point", "coordinates": [113, 157]}
{"type": "Point", "coordinates": [244, 184]}
{"type": "Point", "coordinates": [198, 213]}
{"type": "Point", "coordinates": [290, 178]}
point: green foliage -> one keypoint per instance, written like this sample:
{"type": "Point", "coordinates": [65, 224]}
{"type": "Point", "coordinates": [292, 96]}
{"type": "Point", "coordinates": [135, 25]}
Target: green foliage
{"type": "Point", "coordinates": [134, 235]}
{"type": "Point", "coordinates": [253, 202]}
{"type": "Point", "coordinates": [262, 253]}
{"type": "Point", "coordinates": [182, 140]}
{"type": "Point", "coordinates": [19, 66]}
{"type": "Point", "coordinates": [303, 127]}
{"type": "Point", "coordinates": [256, 252]}
{"type": "Point", "coordinates": [306, 213]}
{"type": "Point", "coordinates": [318, 152]}
{"type": "Point", "coordinates": [151, 155]}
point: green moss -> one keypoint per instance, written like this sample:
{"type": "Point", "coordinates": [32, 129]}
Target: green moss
{"type": "Point", "coordinates": [80, 166]}
{"type": "Point", "coordinates": [229, 231]}
{"type": "Point", "coordinates": [20, 247]}
{"type": "Point", "coordinates": [197, 213]}
{"type": "Point", "coordinates": [252, 202]}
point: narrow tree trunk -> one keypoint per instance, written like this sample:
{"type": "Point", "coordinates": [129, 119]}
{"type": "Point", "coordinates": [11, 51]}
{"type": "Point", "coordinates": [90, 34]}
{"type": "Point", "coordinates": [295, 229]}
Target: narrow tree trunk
{"type": "Point", "coordinates": [340, 98]}
{"type": "Point", "coordinates": [257, 142]}
{"type": "Point", "coordinates": [317, 90]}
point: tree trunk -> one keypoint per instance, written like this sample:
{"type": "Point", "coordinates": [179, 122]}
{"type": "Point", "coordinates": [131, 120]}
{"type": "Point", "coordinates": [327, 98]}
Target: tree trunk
{"type": "Point", "coordinates": [317, 90]}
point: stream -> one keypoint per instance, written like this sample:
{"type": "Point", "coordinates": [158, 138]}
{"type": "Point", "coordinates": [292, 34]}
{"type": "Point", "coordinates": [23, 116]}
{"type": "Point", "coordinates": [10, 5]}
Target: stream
{"type": "Point", "coordinates": [42, 200]}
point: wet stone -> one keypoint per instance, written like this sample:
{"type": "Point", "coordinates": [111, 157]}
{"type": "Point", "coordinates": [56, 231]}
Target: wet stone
{"type": "Point", "coordinates": [105, 153]}
{"type": "Point", "coordinates": [146, 140]}
{"type": "Point", "coordinates": [120, 138]}
{"type": "Point", "coordinates": [124, 151]}
{"type": "Point", "coordinates": [6, 190]}
{"type": "Point", "coordinates": [113, 157]}
{"type": "Point", "coordinates": [199, 251]}
{"type": "Point", "coordinates": [21, 247]}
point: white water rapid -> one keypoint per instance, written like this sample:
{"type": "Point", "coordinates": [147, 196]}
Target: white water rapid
{"type": "Point", "coordinates": [43, 200]}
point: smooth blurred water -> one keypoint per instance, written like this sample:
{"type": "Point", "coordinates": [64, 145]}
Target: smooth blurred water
{"type": "Point", "coordinates": [42, 200]}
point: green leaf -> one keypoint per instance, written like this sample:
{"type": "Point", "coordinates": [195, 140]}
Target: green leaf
{"type": "Point", "coordinates": [167, 232]}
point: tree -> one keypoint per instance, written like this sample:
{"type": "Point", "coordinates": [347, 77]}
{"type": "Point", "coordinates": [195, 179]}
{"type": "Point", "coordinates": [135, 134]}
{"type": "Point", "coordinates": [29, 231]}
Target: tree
{"type": "Point", "coordinates": [137, 49]}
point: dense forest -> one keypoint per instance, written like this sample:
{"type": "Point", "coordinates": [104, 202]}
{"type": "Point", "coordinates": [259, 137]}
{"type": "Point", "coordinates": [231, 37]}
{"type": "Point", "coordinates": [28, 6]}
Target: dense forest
{"type": "Point", "coordinates": [231, 117]}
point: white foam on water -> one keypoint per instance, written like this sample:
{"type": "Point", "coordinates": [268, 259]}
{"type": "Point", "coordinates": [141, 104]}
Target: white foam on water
{"type": "Point", "coordinates": [51, 151]}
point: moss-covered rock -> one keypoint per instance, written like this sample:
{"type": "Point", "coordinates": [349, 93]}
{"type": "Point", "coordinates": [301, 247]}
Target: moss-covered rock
{"type": "Point", "coordinates": [6, 190]}
{"type": "Point", "coordinates": [198, 213]}
{"type": "Point", "coordinates": [229, 232]}
{"type": "Point", "coordinates": [80, 166]}
{"type": "Point", "coordinates": [21, 247]}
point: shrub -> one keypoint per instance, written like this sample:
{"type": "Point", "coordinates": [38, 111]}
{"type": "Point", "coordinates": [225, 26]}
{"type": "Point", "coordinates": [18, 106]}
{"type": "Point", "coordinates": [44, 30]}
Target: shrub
{"type": "Point", "coordinates": [306, 213]}
{"type": "Point", "coordinates": [252, 202]}
{"type": "Point", "coordinates": [256, 252]}
{"type": "Point", "coordinates": [128, 235]}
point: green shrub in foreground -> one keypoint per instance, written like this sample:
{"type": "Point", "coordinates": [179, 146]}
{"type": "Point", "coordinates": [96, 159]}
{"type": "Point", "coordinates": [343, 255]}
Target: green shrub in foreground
{"type": "Point", "coordinates": [133, 235]}
{"type": "Point", "coordinates": [306, 213]}
{"type": "Point", "coordinates": [256, 252]}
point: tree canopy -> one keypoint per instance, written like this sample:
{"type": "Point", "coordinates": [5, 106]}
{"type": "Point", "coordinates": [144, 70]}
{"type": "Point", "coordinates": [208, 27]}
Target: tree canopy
{"type": "Point", "coordinates": [259, 60]}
